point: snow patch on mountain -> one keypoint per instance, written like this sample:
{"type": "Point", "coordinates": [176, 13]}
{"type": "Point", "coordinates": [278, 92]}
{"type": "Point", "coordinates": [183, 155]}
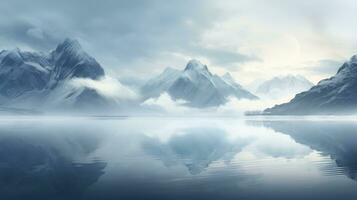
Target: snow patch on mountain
{"type": "Point", "coordinates": [157, 85]}
{"type": "Point", "coordinates": [335, 95]}
{"type": "Point", "coordinates": [65, 78]}
{"type": "Point", "coordinates": [196, 85]}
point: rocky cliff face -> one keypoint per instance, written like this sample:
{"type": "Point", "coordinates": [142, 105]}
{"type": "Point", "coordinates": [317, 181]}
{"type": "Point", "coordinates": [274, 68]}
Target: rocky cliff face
{"type": "Point", "coordinates": [336, 95]}
{"type": "Point", "coordinates": [31, 79]}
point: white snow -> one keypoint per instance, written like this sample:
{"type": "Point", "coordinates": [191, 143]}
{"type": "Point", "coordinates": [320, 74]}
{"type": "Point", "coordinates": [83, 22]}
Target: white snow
{"type": "Point", "coordinates": [195, 84]}
{"type": "Point", "coordinates": [37, 67]}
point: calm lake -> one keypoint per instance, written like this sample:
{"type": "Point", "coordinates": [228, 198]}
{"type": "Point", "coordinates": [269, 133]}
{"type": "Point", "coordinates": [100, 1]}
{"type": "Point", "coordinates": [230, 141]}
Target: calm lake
{"type": "Point", "coordinates": [177, 158]}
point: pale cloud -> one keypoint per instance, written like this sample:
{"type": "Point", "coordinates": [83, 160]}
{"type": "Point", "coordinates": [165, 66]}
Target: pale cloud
{"type": "Point", "coordinates": [139, 38]}
{"type": "Point", "coordinates": [107, 86]}
{"type": "Point", "coordinates": [36, 33]}
{"type": "Point", "coordinates": [233, 107]}
{"type": "Point", "coordinates": [168, 105]}
{"type": "Point", "coordinates": [285, 35]}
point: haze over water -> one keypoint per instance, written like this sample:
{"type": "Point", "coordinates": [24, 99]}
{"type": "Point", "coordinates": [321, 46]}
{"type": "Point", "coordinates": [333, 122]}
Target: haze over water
{"type": "Point", "coordinates": [177, 158]}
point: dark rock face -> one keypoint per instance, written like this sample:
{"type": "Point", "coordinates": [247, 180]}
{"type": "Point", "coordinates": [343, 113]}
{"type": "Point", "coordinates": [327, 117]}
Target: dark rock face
{"type": "Point", "coordinates": [336, 95]}
{"type": "Point", "coordinates": [70, 60]}
{"type": "Point", "coordinates": [26, 76]}
{"type": "Point", "coordinates": [20, 74]}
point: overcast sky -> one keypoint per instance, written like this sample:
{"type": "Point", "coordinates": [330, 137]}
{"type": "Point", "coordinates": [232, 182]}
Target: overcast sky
{"type": "Point", "coordinates": [135, 38]}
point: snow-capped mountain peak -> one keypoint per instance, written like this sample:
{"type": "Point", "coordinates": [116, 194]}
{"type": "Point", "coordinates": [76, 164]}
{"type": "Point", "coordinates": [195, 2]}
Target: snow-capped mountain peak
{"type": "Point", "coordinates": [195, 69]}
{"type": "Point", "coordinates": [335, 95]}
{"type": "Point", "coordinates": [196, 85]}
{"type": "Point", "coordinates": [196, 65]}
{"type": "Point", "coordinates": [69, 45]}
{"type": "Point", "coordinates": [349, 68]}
{"type": "Point", "coordinates": [70, 60]}
{"type": "Point", "coordinates": [30, 79]}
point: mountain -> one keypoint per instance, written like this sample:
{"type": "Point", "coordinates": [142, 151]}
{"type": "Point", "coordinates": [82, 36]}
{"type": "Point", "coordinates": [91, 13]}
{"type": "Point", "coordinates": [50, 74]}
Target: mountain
{"type": "Point", "coordinates": [335, 95]}
{"type": "Point", "coordinates": [70, 60]}
{"type": "Point", "coordinates": [40, 80]}
{"type": "Point", "coordinates": [196, 85]}
{"type": "Point", "coordinates": [283, 87]}
{"type": "Point", "coordinates": [195, 148]}
{"type": "Point", "coordinates": [155, 86]}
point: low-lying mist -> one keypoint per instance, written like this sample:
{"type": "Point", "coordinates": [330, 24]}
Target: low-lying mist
{"type": "Point", "coordinates": [233, 106]}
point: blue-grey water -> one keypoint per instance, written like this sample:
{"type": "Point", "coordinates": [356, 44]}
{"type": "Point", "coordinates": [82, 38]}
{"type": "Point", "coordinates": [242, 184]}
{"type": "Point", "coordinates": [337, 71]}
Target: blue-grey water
{"type": "Point", "coordinates": [177, 158]}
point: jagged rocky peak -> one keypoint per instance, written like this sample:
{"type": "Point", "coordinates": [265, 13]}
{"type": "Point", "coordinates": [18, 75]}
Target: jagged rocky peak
{"type": "Point", "coordinates": [195, 65]}
{"type": "Point", "coordinates": [71, 60]}
{"type": "Point", "coordinates": [353, 59]}
{"type": "Point", "coordinates": [69, 45]}
{"type": "Point", "coordinates": [26, 77]}
{"type": "Point", "coordinates": [349, 66]}
{"type": "Point", "coordinates": [11, 57]}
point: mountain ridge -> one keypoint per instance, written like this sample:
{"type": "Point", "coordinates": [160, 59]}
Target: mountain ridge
{"type": "Point", "coordinates": [196, 85]}
{"type": "Point", "coordinates": [28, 79]}
{"type": "Point", "coordinates": [334, 95]}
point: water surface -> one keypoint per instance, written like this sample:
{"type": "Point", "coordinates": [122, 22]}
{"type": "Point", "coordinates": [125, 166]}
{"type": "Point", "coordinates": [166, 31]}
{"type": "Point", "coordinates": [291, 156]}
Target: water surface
{"type": "Point", "coordinates": [177, 158]}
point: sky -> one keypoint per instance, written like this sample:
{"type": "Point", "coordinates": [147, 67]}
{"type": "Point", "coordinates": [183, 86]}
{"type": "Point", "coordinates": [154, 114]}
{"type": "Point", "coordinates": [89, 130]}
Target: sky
{"type": "Point", "coordinates": [136, 39]}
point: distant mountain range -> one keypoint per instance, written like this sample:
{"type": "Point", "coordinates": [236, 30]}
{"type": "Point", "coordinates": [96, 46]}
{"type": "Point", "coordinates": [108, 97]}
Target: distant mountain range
{"type": "Point", "coordinates": [283, 87]}
{"type": "Point", "coordinates": [196, 85]}
{"type": "Point", "coordinates": [335, 95]}
{"type": "Point", "coordinates": [35, 81]}
{"type": "Point", "coordinates": [38, 80]}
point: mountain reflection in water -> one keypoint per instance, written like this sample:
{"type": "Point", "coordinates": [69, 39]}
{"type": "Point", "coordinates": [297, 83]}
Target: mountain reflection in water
{"type": "Point", "coordinates": [176, 158]}
{"type": "Point", "coordinates": [40, 164]}
{"type": "Point", "coordinates": [335, 139]}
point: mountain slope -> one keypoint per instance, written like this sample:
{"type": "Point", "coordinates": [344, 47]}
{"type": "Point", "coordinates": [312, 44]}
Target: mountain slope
{"type": "Point", "coordinates": [155, 86]}
{"type": "Point", "coordinates": [283, 87]}
{"type": "Point", "coordinates": [33, 80]}
{"type": "Point", "coordinates": [69, 60]}
{"type": "Point", "coordinates": [336, 95]}
{"type": "Point", "coordinates": [19, 74]}
{"type": "Point", "coordinates": [196, 85]}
